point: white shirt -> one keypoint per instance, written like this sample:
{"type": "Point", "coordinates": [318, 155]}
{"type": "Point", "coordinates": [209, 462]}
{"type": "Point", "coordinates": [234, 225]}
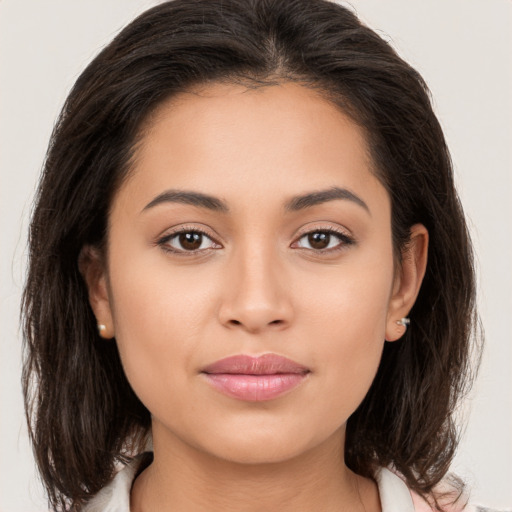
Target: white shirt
{"type": "Point", "coordinates": [115, 497]}
{"type": "Point", "coordinates": [394, 494]}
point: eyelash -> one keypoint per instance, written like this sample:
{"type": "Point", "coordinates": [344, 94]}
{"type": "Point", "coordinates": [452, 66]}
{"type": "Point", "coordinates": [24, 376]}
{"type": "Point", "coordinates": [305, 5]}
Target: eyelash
{"type": "Point", "coordinates": [345, 240]}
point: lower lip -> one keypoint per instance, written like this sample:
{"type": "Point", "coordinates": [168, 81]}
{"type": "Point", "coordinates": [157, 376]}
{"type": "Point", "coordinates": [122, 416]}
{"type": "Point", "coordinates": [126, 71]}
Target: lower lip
{"type": "Point", "coordinates": [255, 388]}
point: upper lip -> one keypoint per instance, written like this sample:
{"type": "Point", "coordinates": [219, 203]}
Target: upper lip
{"type": "Point", "coordinates": [267, 364]}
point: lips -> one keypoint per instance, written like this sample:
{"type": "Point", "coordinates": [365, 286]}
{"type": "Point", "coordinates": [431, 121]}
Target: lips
{"type": "Point", "coordinates": [255, 379]}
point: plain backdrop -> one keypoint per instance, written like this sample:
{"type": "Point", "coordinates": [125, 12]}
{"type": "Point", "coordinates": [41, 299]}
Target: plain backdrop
{"type": "Point", "coordinates": [463, 48]}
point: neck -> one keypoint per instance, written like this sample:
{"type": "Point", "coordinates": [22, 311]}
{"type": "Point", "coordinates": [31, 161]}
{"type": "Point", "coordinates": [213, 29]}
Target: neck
{"type": "Point", "coordinates": [184, 478]}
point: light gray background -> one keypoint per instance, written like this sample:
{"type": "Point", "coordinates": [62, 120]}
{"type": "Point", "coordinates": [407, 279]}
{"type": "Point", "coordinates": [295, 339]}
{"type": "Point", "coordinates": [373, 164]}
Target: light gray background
{"type": "Point", "coordinates": [463, 50]}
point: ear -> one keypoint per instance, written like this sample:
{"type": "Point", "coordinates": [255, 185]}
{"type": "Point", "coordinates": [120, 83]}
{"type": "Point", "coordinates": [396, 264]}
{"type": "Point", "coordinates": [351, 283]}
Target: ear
{"type": "Point", "coordinates": [408, 278]}
{"type": "Point", "coordinates": [94, 271]}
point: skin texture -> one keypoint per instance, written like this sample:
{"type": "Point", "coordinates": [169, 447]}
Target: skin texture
{"type": "Point", "coordinates": [256, 285]}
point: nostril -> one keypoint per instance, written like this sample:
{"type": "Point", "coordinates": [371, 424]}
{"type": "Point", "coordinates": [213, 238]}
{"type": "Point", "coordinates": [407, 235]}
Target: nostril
{"type": "Point", "coordinates": [273, 322]}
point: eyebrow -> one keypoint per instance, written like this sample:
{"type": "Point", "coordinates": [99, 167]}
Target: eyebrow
{"type": "Point", "coordinates": [295, 204]}
{"type": "Point", "coordinates": [192, 198]}
{"type": "Point", "coordinates": [323, 196]}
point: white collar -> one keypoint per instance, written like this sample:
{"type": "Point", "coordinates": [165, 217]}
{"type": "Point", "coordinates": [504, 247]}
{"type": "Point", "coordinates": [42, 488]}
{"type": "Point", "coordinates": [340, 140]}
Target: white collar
{"type": "Point", "coordinates": [393, 493]}
{"type": "Point", "coordinates": [115, 497]}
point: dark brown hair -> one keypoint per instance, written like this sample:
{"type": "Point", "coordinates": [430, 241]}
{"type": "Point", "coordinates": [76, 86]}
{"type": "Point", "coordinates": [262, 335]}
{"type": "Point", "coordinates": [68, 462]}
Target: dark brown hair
{"type": "Point", "coordinates": [83, 416]}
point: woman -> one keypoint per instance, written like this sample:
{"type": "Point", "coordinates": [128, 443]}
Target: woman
{"type": "Point", "coordinates": [250, 275]}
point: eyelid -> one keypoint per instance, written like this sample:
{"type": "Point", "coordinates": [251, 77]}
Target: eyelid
{"type": "Point", "coordinates": [346, 238]}
{"type": "Point", "coordinates": [314, 227]}
{"type": "Point", "coordinates": [163, 240]}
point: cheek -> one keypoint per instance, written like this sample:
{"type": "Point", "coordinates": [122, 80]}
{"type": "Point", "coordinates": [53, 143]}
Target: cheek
{"type": "Point", "coordinates": [349, 302]}
{"type": "Point", "coordinates": [159, 318]}
{"type": "Point", "coordinates": [347, 322]}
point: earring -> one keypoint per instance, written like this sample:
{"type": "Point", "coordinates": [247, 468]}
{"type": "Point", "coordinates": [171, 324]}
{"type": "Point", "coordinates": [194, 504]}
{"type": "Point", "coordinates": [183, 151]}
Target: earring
{"type": "Point", "coordinates": [404, 321]}
{"type": "Point", "coordinates": [101, 328]}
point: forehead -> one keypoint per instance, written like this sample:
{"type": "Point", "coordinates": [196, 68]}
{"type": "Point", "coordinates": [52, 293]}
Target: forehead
{"type": "Point", "coordinates": [254, 143]}
{"type": "Point", "coordinates": [259, 111]}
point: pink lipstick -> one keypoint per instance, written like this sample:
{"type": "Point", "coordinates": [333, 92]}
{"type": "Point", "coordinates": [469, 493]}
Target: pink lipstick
{"type": "Point", "coordinates": [255, 379]}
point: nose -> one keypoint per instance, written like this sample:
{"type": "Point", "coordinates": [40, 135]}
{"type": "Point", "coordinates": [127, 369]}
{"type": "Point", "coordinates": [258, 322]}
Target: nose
{"type": "Point", "coordinates": [256, 295]}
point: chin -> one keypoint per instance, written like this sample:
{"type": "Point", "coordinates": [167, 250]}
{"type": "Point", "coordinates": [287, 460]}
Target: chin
{"type": "Point", "coordinates": [266, 446]}
{"type": "Point", "coordinates": [248, 454]}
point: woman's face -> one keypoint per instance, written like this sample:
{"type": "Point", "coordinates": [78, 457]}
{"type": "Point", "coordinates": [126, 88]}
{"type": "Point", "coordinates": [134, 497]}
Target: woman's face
{"type": "Point", "coordinates": [252, 224]}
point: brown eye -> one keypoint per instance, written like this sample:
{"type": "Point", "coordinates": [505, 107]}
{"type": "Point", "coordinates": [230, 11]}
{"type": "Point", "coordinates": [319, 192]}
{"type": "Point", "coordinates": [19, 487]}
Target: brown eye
{"type": "Point", "coordinates": [319, 240]}
{"type": "Point", "coordinates": [324, 240]}
{"type": "Point", "coordinates": [190, 241]}
{"type": "Point", "coordinates": [187, 241]}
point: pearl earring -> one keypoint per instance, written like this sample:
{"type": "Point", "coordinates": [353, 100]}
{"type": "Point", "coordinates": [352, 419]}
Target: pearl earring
{"type": "Point", "coordinates": [101, 328]}
{"type": "Point", "coordinates": [404, 321]}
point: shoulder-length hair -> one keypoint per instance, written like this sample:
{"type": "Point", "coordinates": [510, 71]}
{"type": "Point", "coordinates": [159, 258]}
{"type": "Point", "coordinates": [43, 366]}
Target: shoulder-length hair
{"type": "Point", "coordinates": [83, 416]}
